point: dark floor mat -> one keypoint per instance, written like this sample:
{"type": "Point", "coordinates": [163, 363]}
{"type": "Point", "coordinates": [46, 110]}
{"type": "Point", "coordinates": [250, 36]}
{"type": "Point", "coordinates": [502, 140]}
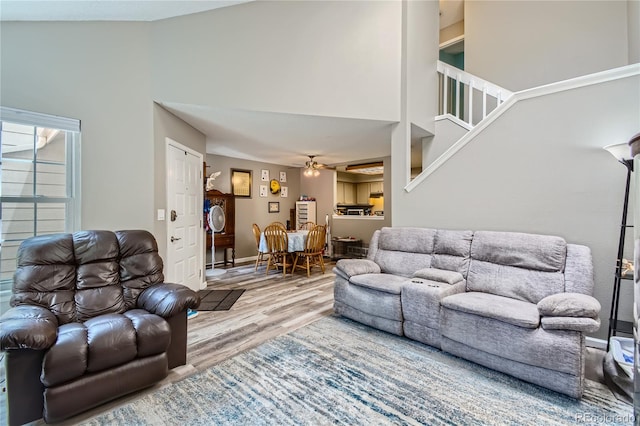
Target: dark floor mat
{"type": "Point", "coordinates": [218, 300]}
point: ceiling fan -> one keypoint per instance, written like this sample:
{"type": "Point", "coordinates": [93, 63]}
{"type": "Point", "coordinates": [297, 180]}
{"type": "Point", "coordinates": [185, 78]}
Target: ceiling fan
{"type": "Point", "coordinates": [312, 167]}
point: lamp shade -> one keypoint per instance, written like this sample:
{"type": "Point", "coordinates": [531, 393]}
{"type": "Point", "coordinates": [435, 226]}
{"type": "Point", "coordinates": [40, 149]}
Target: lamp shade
{"type": "Point", "coordinates": [620, 151]}
{"type": "Point", "coordinates": [634, 144]}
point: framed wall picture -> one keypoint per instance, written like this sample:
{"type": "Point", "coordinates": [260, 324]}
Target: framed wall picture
{"type": "Point", "coordinates": [264, 191]}
{"type": "Point", "coordinates": [284, 191]}
{"type": "Point", "coordinates": [283, 176]}
{"type": "Point", "coordinates": [241, 183]}
{"type": "Point", "coordinates": [274, 207]}
{"type": "Point", "coordinates": [264, 175]}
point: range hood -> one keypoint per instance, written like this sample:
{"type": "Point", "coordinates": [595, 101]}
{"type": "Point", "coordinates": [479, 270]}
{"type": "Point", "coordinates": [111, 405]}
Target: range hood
{"type": "Point", "coordinates": [376, 195]}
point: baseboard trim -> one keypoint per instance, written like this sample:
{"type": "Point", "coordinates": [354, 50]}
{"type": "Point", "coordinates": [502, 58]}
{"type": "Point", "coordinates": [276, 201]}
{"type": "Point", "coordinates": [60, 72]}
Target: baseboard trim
{"type": "Point", "coordinates": [592, 342]}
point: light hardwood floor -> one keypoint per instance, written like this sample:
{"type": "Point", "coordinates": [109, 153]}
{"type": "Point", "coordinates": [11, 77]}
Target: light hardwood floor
{"type": "Point", "coordinates": [272, 305]}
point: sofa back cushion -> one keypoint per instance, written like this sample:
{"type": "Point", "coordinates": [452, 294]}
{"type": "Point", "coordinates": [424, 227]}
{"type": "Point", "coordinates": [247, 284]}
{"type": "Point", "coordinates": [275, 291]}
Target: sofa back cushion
{"type": "Point", "coordinates": [452, 251]}
{"type": "Point", "coordinates": [46, 275]}
{"type": "Point", "coordinates": [98, 289]}
{"type": "Point", "coordinates": [527, 267]}
{"type": "Point", "coordinates": [89, 273]}
{"type": "Point", "coordinates": [140, 264]}
{"type": "Point", "coordinates": [402, 251]}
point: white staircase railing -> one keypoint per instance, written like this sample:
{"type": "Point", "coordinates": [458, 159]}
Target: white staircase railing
{"type": "Point", "coordinates": [467, 97]}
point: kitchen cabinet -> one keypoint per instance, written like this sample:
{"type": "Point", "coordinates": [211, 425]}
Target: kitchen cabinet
{"type": "Point", "coordinates": [376, 186]}
{"type": "Point", "coordinates": [349, 193]}
{"type": "Point", "coordinates": [363, 191]}
{"type": "Point", "coordinates": [340, 193]}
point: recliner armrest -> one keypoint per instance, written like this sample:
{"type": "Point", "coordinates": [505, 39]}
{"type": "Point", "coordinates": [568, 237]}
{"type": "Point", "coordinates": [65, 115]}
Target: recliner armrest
{"type": "Point", "coordinates": [569, 305]}
{"type": "Point", "coordinates": [28, 327]}
{"type": "Point", "coordinates": [351, 267]}
{"type": "Point", "coordinates": [167, 299]}
{"type": "Point", "coordinates": [570, 311]}
{"type": "Point", "coordinates": [585, 325]}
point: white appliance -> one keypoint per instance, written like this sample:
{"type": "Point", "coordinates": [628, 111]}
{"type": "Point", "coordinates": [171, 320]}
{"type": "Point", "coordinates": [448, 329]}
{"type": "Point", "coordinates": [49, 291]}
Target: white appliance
{"type": "Point", "coordinates": [216, 223]}
{"type": "Point", "coordinates": [305, 212]}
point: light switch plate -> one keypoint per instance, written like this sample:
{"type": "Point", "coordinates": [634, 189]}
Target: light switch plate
{"type": "Point", "coordinates": [160, 214]}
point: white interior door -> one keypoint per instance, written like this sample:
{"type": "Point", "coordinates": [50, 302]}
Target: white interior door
{"type": "Point", "coordinates": [184, 221]}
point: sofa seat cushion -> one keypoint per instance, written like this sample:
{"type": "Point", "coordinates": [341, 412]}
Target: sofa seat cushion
{"type": "Point", "coordinates": [511, 311]}
{"type": "Point", "coordinates": [103, 342]}
{"type": "Point", "coordinates": [386, 283]}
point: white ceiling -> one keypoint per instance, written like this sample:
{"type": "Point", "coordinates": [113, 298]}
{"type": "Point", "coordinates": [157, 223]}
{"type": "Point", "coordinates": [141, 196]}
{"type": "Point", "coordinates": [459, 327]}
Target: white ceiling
{"type": "Point", "coordinates": [285, 139]}
{"type": "Point", "coordinates": [105, 10]}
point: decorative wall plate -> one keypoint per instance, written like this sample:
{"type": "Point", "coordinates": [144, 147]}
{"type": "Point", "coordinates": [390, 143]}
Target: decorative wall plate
{"type": "Point", "coordinates": [274, 186]}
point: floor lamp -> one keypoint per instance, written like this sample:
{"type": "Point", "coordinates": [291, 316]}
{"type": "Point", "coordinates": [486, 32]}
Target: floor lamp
{"type": "Point", "coordinates": [622, 153]}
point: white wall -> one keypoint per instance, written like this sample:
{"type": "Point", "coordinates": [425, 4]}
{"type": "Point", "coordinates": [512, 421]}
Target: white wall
{"type": "Point", "coordinates": [447, 133]}
{"type": "Point", "coordinates": [322, 188]}
{"type": "Point", "coordinates": [97, 72]}
{"type": "Point", "coordinates": [633, 30]}
{"type": "Point", "coordinates": [323, 58]}
{"type": "Point", "coordinates": [539, 169]}
{"type": "Point", "coordinates": [524, 44]}
{"type": "Point", "coordinates": [422, 55]}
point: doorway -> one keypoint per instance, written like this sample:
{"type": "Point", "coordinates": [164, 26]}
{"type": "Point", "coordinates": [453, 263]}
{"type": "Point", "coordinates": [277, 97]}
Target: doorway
{"type": "Point", "coordinates": [185, 235]}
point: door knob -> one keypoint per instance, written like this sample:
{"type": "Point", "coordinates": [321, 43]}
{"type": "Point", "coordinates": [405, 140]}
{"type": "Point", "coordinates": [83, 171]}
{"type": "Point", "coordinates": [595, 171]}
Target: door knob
{"type": "Point", "coordinates": [174, 239]}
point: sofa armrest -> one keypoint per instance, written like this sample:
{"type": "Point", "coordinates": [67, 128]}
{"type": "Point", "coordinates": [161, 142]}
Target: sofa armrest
{"type": "Point", "coordinates": [576, 305]}
{"type": "Point", "coordinates": [28, 327]}
{"type": "Point", "coordinates": [167, 299]}
{"type": "Point", "coordinates": [585, 325]}
{"type": "Point", "coordinates": [351, 267]}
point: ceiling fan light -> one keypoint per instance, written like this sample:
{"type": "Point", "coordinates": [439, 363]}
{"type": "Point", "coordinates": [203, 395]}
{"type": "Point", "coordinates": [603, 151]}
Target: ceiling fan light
{"type": "Point", "coordinates": [316, 172]}
{"type": "Point", "coordinates": [308, 172]}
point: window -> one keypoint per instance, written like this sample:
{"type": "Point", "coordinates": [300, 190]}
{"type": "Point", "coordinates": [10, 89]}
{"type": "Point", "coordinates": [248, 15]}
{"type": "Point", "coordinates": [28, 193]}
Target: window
{"type": "Point", "coordinates": [39, 177]}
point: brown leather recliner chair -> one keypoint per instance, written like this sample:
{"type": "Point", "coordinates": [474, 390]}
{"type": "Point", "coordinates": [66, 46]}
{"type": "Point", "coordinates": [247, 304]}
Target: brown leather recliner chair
{"type": "Point", "coordinates": [91, 320]}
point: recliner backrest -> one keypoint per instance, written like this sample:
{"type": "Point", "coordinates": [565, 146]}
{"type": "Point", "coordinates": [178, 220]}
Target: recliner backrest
{"type": "Point", "coordinates": [405, 250]}
{"type": "Point", "coordinates": [79, 276]}
{"type": "Point", "coordinates": [521, 266]}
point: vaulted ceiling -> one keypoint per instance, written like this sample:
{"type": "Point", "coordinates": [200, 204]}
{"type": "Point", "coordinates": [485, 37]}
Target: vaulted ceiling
{"type": "Point", "coordinates": [285, 139]}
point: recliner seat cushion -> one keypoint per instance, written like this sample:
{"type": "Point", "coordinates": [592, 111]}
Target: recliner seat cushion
{"type": "Point", "coordinates": [104, 342]}
{"type": "Point", "coordinates": [386, 283]}
{"type": "Point", "coordinates": [511, 311]}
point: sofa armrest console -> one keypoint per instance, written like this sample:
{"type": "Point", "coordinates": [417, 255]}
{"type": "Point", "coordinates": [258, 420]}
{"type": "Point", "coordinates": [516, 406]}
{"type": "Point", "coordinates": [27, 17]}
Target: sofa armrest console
{"type": "Point", "coordinates": [439, 275]}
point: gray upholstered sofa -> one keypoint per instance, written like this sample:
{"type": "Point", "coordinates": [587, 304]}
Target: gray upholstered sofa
{"type": "Point", "coordinates": [517, 303]}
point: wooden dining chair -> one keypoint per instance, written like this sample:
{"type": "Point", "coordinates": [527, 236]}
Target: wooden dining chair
{"type": "Point", "coordinates": [280, 224]}
{"type": "Point", "coordinates": [307, 226]}
{"type": "Point", "coordinates": [278, 246]}
{"type": "Point", "coordinates": [314, 247]}
{"type": "Point", "coordinates": [256, 235]}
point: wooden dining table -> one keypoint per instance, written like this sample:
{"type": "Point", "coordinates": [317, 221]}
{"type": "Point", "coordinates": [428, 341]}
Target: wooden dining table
{"type": "Point", "coordinates": [297, 241]}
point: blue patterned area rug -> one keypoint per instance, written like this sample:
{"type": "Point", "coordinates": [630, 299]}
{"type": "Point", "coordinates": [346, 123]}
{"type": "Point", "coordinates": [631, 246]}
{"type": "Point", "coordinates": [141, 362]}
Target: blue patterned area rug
{"type": "Point", "coordinates": [336, 371]}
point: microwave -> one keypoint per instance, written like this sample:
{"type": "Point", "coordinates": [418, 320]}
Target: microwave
{"type": "Point", "coordinates": [355, 212]}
